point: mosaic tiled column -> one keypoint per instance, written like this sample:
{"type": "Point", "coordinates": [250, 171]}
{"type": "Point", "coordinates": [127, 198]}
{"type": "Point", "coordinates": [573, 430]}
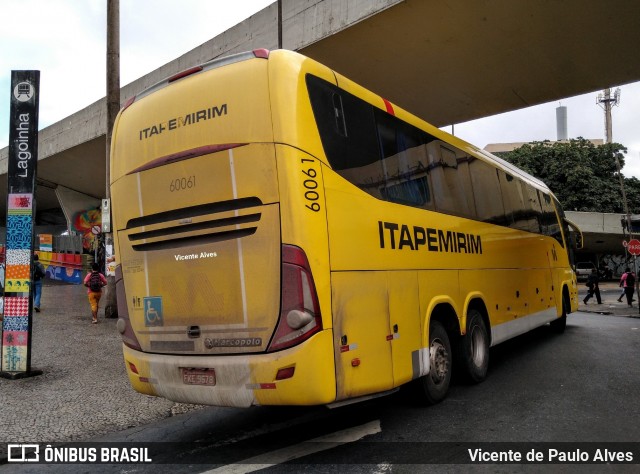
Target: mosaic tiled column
{"type": "Point", "coordinates": [23, 156]}
{"type": "Point", "coordinates": [15, 327]}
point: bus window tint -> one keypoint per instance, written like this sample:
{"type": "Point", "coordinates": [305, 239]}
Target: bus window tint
{"type": "Point", "coordinates": [550, 225]}
{"type": "Point", "coordinates": [346, 131]}
{"type": "Point", "coordinates": [373, 150]}
{"type": "Point", "coordinates": [450, 195]}
{"type": "Point", "coordinates": [397, 162]}
{"type": "Point", "coordinates": [489, 206]}
{"type": "Point", "coordinates": [529, 220]}
{"type": "Point", "coordinates": [535, 209]}
{"type": "Point", "coordinates": [464, 179]}
{"type": "Point", "coordinates": [513, 200]}
{"type": "Point", "coordinates": [404, 162]}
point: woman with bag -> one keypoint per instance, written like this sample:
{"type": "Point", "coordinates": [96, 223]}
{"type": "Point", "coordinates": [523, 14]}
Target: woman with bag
{"type": "Point", "coordinates": [628, 282]}
{"type": "Point", "coordinates": [94, 281]}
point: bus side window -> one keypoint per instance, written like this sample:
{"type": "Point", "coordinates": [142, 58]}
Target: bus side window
{"type": "Point", "coordinates": [489, 205]}
{"type": "Point", "coordinates": [345, 125]}
{"type": "Point", "coordinates": [347, 131]}
{"type": "Point", "coordinates": [550, 224]}
{"type": "Point", "coordinates": [516, 211]}
{"type": "Point", "coordinates": [449, 187]}
{"type": "Point", "coordinates": [404, 162]}
{"type": "Point", "coordinates": [338, 110]}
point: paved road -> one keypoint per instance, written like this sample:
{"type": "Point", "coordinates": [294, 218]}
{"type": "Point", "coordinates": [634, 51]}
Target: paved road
{"type": "Point", "coordinates": [582, 387]}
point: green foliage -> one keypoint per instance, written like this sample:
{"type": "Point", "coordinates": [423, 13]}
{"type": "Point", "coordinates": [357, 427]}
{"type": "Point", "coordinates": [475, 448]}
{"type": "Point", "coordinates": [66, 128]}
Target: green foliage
{"type": "Point", "coordinates": [583, 176]}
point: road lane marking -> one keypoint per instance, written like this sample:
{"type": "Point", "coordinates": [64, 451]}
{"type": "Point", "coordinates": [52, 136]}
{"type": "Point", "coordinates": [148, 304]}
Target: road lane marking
{"type": "Point", "coordinates": [300, 450]}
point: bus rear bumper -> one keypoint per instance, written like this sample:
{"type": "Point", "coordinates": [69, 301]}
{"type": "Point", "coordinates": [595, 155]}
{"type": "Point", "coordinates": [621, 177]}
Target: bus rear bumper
{"type": "Point", "coordinates": [239, 380]}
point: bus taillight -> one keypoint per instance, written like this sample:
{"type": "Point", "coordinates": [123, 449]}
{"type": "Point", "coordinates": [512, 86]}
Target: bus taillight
{"type": "Point", "coordinates": [299, 308]}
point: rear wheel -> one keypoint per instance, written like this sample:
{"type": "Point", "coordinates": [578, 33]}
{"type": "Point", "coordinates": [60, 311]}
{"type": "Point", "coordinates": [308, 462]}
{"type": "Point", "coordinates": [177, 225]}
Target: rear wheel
{"type": "Point", "coordinates": [435, 385]}
{"type": "Point", "coordinates": [558, 325]}
{"type": "Point", "coordinates": [473, 350]}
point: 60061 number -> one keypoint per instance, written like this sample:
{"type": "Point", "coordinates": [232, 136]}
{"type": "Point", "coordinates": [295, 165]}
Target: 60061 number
{"type": "Point", "coordinates": [180, 184]}
{"type": "Point", "coordinates": [310, 186]}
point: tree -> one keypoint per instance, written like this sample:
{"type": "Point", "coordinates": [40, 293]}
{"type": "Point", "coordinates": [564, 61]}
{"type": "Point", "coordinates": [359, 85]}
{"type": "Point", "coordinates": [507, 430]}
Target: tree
{"type": "Point", "coordinates": [583, 176]}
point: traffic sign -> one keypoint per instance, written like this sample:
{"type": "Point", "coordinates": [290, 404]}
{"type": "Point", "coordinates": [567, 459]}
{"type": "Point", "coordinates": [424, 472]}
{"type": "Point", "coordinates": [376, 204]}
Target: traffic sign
{"type": "Point", "coordinates": [634, 247]}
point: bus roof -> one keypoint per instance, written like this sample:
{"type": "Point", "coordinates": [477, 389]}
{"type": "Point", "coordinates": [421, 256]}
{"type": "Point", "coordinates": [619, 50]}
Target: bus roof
{"type": "Point", "coordinates": [405, 115]}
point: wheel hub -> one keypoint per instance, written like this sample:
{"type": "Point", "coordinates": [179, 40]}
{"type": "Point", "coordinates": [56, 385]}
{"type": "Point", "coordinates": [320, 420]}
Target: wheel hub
{"type": "Point", "coordinates": [478, 347]}
{"type": "Point", "coordinates": [439, 361]}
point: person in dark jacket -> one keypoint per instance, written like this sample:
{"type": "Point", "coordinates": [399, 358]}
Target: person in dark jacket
{"type": "Point", "coordinates": [592, 282]}
{"type": "Point", "coordinates": [38, 277]}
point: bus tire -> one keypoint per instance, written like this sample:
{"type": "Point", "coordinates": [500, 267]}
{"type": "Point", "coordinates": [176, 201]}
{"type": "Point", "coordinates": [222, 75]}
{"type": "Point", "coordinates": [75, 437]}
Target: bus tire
{"type": "Point", "coordinates": [473, 348]}
{"type": "Point", "coordinates": [434, 386]}
{"type": "Point", "coordinates": [558, 325]}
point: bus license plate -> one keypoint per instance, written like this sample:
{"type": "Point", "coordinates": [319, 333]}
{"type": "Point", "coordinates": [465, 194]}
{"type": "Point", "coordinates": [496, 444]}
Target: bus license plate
{"type": "Point", "coordinates": [198, 376]}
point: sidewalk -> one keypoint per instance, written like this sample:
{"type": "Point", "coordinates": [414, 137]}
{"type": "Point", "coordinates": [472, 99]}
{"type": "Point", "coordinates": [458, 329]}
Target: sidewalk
{"type": "Point", "coordinates": [609, 291]}
{"type": "Point", "coordinates": [83, 391]}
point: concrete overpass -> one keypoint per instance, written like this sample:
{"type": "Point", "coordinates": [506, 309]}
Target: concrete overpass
{"type": "Point", "coordinates": [446, 61]}
{"type": "Point", "coordinates": [603, 236]}
{"type": "Point", "coordinates": [602, 232]}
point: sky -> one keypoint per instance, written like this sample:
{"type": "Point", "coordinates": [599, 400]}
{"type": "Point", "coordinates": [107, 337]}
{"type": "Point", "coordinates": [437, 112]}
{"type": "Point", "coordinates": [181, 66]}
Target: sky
{"type": "Point", "coordinates": [66, 41]}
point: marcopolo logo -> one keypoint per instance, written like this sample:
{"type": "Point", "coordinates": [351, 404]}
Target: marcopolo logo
{"type": "Point", "coordinates": [235, 342]}
{"type": "Point", "coordinates": [24, 91]}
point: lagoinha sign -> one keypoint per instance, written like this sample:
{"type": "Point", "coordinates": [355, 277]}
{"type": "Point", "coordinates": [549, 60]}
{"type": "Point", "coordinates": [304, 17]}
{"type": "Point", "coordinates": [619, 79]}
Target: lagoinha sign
{"type": "Point", "coordinates": [23, 156]}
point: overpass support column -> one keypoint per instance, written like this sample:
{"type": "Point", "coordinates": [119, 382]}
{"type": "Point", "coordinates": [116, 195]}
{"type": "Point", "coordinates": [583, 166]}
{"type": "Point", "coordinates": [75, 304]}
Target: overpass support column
{"type": "Point", "coordinates": [74, 202]}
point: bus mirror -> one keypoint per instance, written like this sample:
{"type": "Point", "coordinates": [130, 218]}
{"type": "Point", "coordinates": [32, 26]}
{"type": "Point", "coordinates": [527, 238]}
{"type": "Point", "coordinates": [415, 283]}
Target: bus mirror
{"type": "Point", "coordinates": [577, 234]}
{"type": "Point", "coordinates": [579, 243]}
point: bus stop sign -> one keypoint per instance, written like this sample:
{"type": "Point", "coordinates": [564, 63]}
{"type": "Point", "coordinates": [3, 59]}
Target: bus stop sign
{"type": "Point", "coordinates": [634, 247]}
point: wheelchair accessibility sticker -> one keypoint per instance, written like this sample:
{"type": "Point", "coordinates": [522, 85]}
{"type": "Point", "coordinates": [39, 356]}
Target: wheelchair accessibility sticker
{"type": "Point", "coordinates": [153, 311]}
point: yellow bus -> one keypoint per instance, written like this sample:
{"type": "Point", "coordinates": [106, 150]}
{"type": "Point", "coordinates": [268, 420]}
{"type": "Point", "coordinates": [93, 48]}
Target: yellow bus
{"type": "Point", "coordinates": [286, 237]}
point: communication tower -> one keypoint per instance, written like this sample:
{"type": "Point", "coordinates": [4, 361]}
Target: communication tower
{"type": "Point", "coordinates": [607, 101]}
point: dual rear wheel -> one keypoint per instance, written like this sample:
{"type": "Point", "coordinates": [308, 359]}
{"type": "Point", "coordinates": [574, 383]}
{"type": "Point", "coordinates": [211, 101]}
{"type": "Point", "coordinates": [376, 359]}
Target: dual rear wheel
{"type": "Point", "coordinates": [471, 353]}
{"type": "Point", "coordinates": [473, 349]}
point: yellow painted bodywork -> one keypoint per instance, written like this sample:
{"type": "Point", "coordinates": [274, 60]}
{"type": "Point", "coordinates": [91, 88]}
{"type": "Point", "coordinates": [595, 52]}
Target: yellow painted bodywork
{"type": "Point", "coordinates": [375, 298]}
{"type": "Point", "coordinates": [241, 380]}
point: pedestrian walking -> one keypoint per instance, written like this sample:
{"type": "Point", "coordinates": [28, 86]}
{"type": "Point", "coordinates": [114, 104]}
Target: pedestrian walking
{"type": "Point", "coordinates": [593, 281]}
{"type": "Point", "coordinates": [94, 281]}
{"type": "Point", "coordinates": [38, 277]}
{"type": "Point", "coordinates": [628, 282]}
